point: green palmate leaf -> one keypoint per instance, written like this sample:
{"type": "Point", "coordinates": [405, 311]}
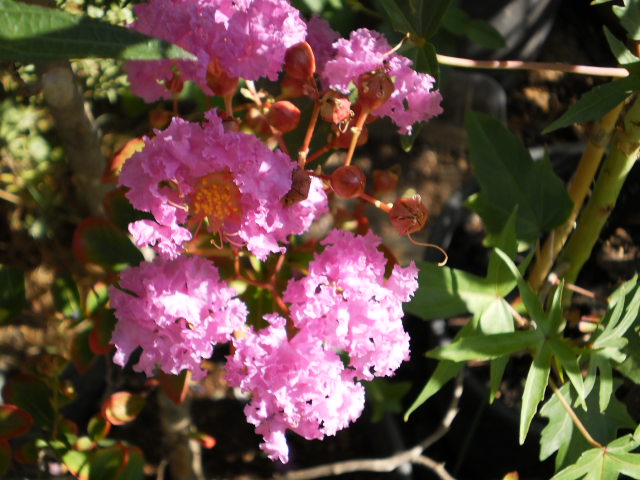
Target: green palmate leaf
{"type": "Point", "coordinates": [561, 435]}
{"type": "Point", "coordinates": [443, 374]}
{"type": "Point", "coordinates": [605, 463]}
{"type": "Point", "coordinates": [29, 33]}
{"type": "Point", "coordinates": [496, 318]}
{"type": "Point", "coordinates": [508, 177]}
{"type": "Point", "coordinates": [629, 16]}
{"type": "Point", "coordinates": [486, 347]}
{"type": "Point", "coordinates": [622, 313]}
{"type": "Point", "coordinates": [630, 368]}
{"type": "Point", "coordinates": [560, 431]}
{"type": "Point", "coordinates": [530, 299]}
{"type": "Point", "coordinates": [568, 360]}
{"type": "Point", "coordinates": [534, 387]}
{"type": "Point", "coordinates": [597, 102]}
{"type": "Point", "coordinates": [445, 292]}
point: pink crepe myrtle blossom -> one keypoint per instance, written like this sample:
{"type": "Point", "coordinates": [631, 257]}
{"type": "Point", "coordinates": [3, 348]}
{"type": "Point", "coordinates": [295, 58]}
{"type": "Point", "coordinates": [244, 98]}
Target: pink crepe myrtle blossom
{"type": "Point", "coordinates": [413, 99]}
{"type": "Point", "coordinates": [176, 310]}
{"type": "Point", "coordinates": [244, 38]}
{"type": "Point", "coordinates": [299, 385]}
{"type": "Point", "coordinates": [346, 301]}
{"type": "Point", "coordinates": [190, 175]}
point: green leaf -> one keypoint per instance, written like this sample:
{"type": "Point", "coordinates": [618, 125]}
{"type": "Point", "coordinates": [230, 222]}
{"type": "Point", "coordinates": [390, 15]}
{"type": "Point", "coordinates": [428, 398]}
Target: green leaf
{"type": "Point", "coordinates": [431, 14]}
{"type": "Point", "coordinates": [508, 177]}
{"type": "Point", "coordinates": [106, 463]}
{"type": "Point", "coordinates": [619, 50]}
{"type": "Point", "coordinates": [14, 421]}
{"type": "Point", "coordinates": [599, 101]}
{"type": "Point", "coordinates": [534, 387]}
{"type": "Point", "coordinates": [622, 312]}
{"type": "Point", "coordinates": [446, 292]}
{"type": "Point", "coordinates": [66, 296]}
{"type": "Point", "coordinates": [443, 374]}
{"type": "Point", "coordinates": [507, 242]}
{"type": "Point", "coordinates": [29, 33]}
{"type": "Point", "coordinates": [385, 396]}
{"type": "Point", "coordinates": [12, 293]}
{"type": "Point", "coordinates": [31, 394]}
{"type": "Point", "coordinates": [424, 59]}
{"type": "Point", "coordinates": [496, 318]}
{"type": "Point", "coordinates": [397, 16]}
{"type": "Point", "coordinates": [456, 21]}
{"type": "Point", "coordinates": [486, 347]}
{"type": "Point", "coordinates": [557, 435]}
{"type": "Point", "coordinates": [605, 463]}
{"type": "Point", "coordinates": [483, 33]}
{"type": "Point", "coordinates": [530, 299]}
{"type": "Point", "coordinates": [568, 360]}
{"type": "Point", "coordinates": [629, 16]}
{"type": "Point", "coordinates": [561, 435]}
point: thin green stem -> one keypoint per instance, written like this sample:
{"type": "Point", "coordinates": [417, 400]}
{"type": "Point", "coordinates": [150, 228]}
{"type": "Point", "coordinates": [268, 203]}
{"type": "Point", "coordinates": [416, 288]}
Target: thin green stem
{"type": "Point", "coordinates": [625, 147]}
{"type": "Point", "coordinates": [574, 418]}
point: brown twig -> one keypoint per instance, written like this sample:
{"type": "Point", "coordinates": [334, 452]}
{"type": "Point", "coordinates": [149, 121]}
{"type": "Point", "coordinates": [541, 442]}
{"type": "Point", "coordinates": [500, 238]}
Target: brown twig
{"type": "Point", "coordinates": [520, 65]}
{"type": "Point", "coordinates": [388, 464]}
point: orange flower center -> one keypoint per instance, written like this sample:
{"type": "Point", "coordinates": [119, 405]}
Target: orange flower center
{"type": "Point", "coordinates": [216, 198]}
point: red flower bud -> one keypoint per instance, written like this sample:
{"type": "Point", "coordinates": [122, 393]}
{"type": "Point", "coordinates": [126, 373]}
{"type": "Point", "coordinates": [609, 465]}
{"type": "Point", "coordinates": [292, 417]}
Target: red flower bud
{"type": "Point", "coordinates": [283, 116]}
{"type": "Point", "coordinates": [256, 122]}
{"type": "Point", "coordinates": [408, 215]}
{"type": "Point", "coordinates": [292, 87]}
{"type": "Point", "coordinates": [348, 181]}
{"type": "Point", "coordinates": [299, 61]}
{"type": "Point", "coordinates": [374, 89]}
{"type": "Point", "coordinates": [176, 83]}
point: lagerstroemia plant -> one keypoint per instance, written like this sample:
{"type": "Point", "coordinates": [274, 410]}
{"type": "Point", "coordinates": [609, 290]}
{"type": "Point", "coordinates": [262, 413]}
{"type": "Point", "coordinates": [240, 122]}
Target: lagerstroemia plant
{"type": "Point", "coordinates": [237, 203]}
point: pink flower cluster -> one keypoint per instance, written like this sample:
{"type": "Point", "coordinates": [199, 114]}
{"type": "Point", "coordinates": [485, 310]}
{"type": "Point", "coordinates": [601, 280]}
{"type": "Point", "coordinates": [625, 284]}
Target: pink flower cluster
{"type": "Point", "coordinates": [298, 384]}
{"type": "Point", "coordinates": [247, 37]}
{"type": "Point", "coordinates": [344, 304]}
{"type": "Point", "coordinates": [366, 51]}
{"type": "Point", "coordinates": [346, 301]}
{"type": "Point", "coordinates": [193, 172]}
{"type": "Point", "coordinates": [176, 310]}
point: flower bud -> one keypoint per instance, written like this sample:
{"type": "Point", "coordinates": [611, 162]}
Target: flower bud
{"type": "Point", "coordinates": [374, 89]}
{"type": "Point", "coordinates": [347, 181]}
{"type": "Point", "coordinates": [283, 116]}
{"type": "Point", "coordinates": [256, 122]}
{"type": "Point", "coordinates": [176, 83]}
{"type": "Point", "coordinates": [292, 87]}
{"type": "Point", "coordinates": [408, 215]}
{"type": "Point", "coordinates": [335, 108]}
{"type": "Point", "coordinates": [299, 61]}
{"type": "Point", "coordinates": [218, 81]}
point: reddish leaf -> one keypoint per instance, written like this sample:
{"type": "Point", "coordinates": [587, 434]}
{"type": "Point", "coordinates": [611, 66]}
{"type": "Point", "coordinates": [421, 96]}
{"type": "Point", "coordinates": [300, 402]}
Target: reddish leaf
{"type": "Point", "coordinates": [175, 386]}
{"type": "Point", "coordinates": [31, 394]}
{"type": "Point", "coordinates": [99, 339]}
{"type": "Point", "coordinates": [98, 428]}
{"type": "Point", "coordinates": [98, 241]}
{"type": "Point", "coordinates": [26, 453]}
{"type": "Point", "coordinates": [14, 421]}
{"type": "Point", "coordinates": [122, 407]}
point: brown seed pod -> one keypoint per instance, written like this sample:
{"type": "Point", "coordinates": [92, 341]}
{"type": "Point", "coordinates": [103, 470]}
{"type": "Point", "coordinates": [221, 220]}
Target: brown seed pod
{"type": "Point", "coordinates": [408, 215]}
{"type": "Point", "coordinates": [348, 181]}
{"type": "Point", "coordinates": [300, 184]}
